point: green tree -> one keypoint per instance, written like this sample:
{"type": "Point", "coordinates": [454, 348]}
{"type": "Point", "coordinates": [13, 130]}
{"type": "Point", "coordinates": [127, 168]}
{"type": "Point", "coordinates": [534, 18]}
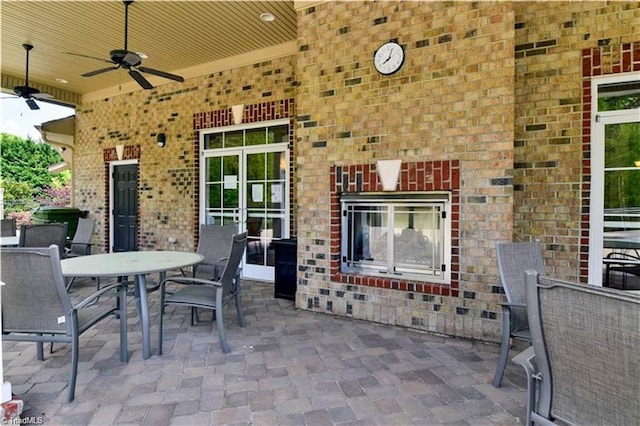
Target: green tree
{"type": "Point", "coordinates": [27, 161]}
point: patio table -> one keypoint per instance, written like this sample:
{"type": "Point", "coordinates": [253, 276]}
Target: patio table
{"type": "Point", "coordinates": [136, 263]}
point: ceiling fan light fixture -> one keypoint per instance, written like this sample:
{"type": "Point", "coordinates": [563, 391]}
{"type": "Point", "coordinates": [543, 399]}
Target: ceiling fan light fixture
{"type": "Point", "coordinates": [267, 17]}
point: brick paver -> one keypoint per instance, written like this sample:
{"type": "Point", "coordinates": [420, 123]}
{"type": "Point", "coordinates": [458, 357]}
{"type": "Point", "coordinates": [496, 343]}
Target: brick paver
{"type": "Point", "coordinates": [287, 367]}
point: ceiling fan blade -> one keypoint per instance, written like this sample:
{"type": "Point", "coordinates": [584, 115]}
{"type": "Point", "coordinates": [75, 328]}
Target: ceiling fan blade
{"type": "Point", "coordinates": [100, 71]}
{"type": "Point", "coordinates": [41, 96]}
{"type": "Point", "coordinates": [161, 74]}
{"type": "Point", "coordinates": [140, 79]}
{"type": "Point", "coordinates": [57, 102]}
{"type": "Point", "coordinates": [86, 56]}
{"type": "Point", "coordinates": [32, 104]}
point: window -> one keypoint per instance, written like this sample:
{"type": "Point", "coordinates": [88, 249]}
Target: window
{"type": "Point", "coordinates": [404, 236]}
{"type": "Point", "coordinates": [247, 136]}
{"type": "Point", "coordinates": [615, 164]}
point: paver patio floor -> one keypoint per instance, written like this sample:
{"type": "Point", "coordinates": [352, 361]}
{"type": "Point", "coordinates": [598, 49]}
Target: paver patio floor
{"type": "Point", "coordinates": [287, 367]}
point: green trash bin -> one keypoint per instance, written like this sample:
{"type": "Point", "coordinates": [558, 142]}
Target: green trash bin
{"type": "Point", "coordinates": [59, 214]}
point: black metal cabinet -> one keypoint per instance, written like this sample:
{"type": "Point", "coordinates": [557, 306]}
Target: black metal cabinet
{"type": "Point", "coordinates": [285, 268]}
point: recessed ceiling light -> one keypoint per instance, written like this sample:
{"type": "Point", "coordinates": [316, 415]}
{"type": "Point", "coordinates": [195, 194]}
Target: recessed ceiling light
{"type": "Point", "coordinates": [61, 80]}
{"type": "Point", "coordinates": [267, 17]}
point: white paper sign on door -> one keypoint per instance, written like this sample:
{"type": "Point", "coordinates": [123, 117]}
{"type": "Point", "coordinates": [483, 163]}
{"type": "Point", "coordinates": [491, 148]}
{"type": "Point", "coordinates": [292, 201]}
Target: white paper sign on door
{"type": "Point", "coordinates": [230, 182]}
{"type": "Point", "coordinates": [276, 193]}
{"type": "Point", "coordinates": [256, 193]}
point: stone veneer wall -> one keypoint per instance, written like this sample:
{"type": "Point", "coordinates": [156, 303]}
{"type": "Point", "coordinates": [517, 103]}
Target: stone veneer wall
{"type": "Point", "coordinates": [168, 177]}
{"type": "Point", "coordinates": [559, 45]}
{"type": "Point", "coordinates": [451, 102]}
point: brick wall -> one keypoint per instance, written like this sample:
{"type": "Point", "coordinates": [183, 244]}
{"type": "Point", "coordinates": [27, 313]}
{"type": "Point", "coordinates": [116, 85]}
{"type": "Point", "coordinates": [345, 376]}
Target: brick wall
{"type": "Point", "coordinates": [551, 172]}
{"type": "Point", "coordinates": [492, 87]}
{"type": "Point", "coordinates": [168, 177]}
{"type": "Point", "coordinates": [451, 102]}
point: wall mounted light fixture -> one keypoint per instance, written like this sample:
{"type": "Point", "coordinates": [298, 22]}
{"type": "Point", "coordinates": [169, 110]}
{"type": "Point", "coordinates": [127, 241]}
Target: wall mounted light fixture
{"type": "Point", "coordinates": [161, 139]}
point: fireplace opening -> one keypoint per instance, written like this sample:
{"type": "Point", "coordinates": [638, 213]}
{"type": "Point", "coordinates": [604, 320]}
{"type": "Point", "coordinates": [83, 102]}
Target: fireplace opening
{"type": "Point", "coordinates": [403, 236]}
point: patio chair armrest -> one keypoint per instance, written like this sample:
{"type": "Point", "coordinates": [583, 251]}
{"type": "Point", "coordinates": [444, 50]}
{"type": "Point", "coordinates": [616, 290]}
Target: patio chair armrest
{"type": "Point", "coordinates": [189, 280]}
{"type": "Point", "coordinates": [94, 296]}
{"type": "Point", "coordinates": [525, 359]}
{"type": "Point", "coordinates": [87, 247]}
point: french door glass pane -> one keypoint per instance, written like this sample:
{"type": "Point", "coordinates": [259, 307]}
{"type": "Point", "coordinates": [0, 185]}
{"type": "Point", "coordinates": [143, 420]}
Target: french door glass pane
{"type": "Point", "coordinates": [222, 189]}
{"type": "Point", "coordinates": [622, 178]}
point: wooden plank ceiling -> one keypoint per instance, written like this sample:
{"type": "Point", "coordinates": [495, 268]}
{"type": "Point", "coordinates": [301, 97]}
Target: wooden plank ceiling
{"type": "Point", "coordinates": [176, 36]}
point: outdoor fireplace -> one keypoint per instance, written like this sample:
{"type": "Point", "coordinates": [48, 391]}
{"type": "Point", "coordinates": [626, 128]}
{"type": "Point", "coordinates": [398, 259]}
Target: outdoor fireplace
{"type": "Point", "coordinates": [405, 239]}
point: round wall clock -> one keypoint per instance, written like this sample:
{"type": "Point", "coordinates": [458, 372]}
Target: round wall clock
{"type": "Point", "coordinates": [388, 58]}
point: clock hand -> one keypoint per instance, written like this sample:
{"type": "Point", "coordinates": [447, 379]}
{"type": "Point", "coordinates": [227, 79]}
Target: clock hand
{"type": "Point", "coordinates": [387, 60]}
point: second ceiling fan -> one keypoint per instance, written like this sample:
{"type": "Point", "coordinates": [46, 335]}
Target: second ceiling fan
{"type": "Point", "coordinates": [131, 61]}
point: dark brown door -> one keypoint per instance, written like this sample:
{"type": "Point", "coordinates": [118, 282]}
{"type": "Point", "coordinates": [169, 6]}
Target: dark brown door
{"type": "Point", "coordinates": [125, 208]}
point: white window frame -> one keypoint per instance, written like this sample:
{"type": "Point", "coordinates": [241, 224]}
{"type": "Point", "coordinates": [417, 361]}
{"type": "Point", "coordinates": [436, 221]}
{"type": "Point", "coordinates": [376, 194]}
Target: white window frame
{"type": "Point", "coordinates": [599, 119]}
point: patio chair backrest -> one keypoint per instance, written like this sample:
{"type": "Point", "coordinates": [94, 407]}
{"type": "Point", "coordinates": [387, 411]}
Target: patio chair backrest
{"type": "Point", "coordinates": [43, 235]}
{"type": "Point", "coordinates": [34, 297]}
{"type": "Point", "coordinates": [586, 342]}
{"type": "Point", "coordinates": [8, 227]}
{"type": "Point", "coordinates": [513, 260]}
{"type": "Point", "coordinates": [81, 243]}
{"type": "Point", "coordinates": [213, 245]}
{"type": "Point", "coordinates": [229, 276]}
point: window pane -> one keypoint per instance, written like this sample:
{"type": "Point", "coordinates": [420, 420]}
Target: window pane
{"type": "Point", "coordinates": [255, 137]}
{"type": "Point", "coordinates": [215, 169]}
{"type": "Point", "coordinates": [622, 145]}
{"type": "Point", "coordinates": [278, 134]}
{"type": "Point", "coordinates": [255, 167]}
{"type": "Point", "coordinates": [213, 140]}
{"type": "Point", "coordinates": [618, 96]}
{"type": "Point", "coordinates": [215, 196]}
{"type": "Point", "coordinates": [276, 166]}
{"type": "Point", "coordinates": [233, 139]}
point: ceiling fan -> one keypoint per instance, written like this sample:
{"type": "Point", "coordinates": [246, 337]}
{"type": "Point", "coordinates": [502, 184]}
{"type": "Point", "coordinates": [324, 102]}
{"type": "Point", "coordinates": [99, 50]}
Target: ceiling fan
{"type": "Point", "coordinates": [28, 93]}
{"type": "Point", "coordinates": [124, 58]}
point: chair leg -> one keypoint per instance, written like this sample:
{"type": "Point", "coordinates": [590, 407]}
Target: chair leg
{"type": "Point", "coordinates": [504, 347]}
{"type": "Point", "coordinates": [71, 280]}
{"type": "Point", "coordinates": [160, 329]}
{"type": "Point", "coordinates": [122, 313]}
{"type": "Point", "coordinates": [239, 309]}
{"type": "Point", "coordinates": [40, 350]}
{"type": "Point", "coordinates": [220, 322]}
{"type": "Point", "coordinates": [74, 365]}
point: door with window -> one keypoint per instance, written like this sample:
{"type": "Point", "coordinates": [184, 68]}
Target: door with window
{"type": "Point", "coordinates": [244, 181]}
{"type": "Point", "coordinates": [615, 184]}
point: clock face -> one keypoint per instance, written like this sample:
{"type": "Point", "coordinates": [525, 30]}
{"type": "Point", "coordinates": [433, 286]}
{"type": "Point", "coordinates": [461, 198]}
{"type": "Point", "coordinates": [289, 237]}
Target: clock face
{"type": "Point", "coordinates": [389, 58]}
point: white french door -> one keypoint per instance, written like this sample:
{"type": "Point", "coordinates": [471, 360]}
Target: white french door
{"type": "Point", "coordinates": [615, 171]}
{"type": "Point", "coordinates": [249, 186]}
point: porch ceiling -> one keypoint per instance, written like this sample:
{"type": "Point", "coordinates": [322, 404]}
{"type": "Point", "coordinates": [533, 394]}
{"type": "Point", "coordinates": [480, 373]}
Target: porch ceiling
{"type": "Point", "coordinates": [188, 38]}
